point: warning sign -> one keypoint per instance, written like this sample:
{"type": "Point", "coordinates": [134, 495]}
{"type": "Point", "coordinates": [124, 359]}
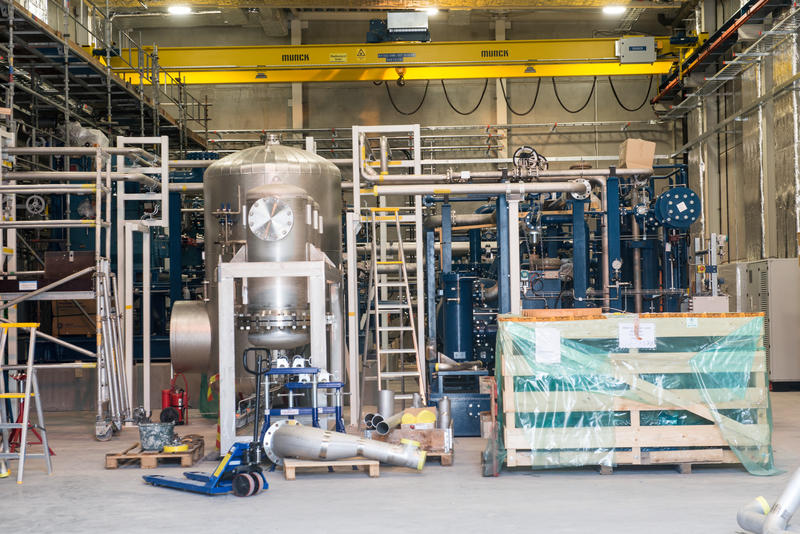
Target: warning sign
{"type": "Point", "coordinates": [337, 58]}
{"type": "Point", "coordinates": [361, 55]}
{"type": "Point", "coordinates": [701, 269]}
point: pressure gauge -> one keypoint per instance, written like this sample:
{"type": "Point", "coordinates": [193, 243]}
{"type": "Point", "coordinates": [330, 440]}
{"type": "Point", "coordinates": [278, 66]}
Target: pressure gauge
{"type": "Point", "coordinates": [616, 264]}
{"type": "Point", "coordinates": [270, 219]}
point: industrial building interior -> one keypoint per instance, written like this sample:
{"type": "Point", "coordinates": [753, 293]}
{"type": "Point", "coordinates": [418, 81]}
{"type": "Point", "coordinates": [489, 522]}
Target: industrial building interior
{"type": "Point", "coordinates": [408, 265]}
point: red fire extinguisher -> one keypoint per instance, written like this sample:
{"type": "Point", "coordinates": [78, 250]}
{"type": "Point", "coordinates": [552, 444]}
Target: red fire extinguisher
{"type": "Point", "coordinates": [175, 402]}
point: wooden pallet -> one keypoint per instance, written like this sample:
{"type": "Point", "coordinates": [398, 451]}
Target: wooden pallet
{"type": "Point", "coordinates": [445, 458]}
{"type": "Point", "coordinates": [151, 460]}
{"type": "Point", "coordinates": [290, 465]}
{"type": "Point", "coordinates": [434, 441]}
{"type": "Point", "coordinates": [638, 443]}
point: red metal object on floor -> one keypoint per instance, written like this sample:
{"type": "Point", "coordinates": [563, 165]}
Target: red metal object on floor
{"type": "Point", "coordinates": [16, 434]}
{"type": "Point", "coordinates": [177, 399]}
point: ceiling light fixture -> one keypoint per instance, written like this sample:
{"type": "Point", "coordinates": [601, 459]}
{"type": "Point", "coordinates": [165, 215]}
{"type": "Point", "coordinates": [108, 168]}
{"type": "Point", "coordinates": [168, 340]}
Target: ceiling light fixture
{"type": "Point", "coordinates": [614, 10]}
{"type": "Point", "coordinates": [429, 10]}
{"type": "Point", "coordinates": [179, 10]}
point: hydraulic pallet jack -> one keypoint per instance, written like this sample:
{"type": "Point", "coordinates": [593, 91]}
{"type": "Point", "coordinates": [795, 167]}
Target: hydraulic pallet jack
{"type": "Point", "coordinates": [239, 471]}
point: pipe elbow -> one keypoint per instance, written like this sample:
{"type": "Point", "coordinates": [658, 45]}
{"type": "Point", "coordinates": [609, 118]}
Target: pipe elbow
{"type": "Point", "coordinates": [751, 517]}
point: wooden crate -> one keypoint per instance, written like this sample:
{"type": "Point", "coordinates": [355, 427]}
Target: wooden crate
{"type": "Point", "coordinates": [290, 466]}
{"type": "Point", "coordinates": [636, 444]}
{"type": "Point", "coordinates": [151, 460]}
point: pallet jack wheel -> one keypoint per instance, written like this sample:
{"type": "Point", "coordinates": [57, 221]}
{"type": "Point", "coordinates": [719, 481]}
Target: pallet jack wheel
{"type": "Point", "coordinates": [258, 481]}
{"type": "Point", "coordinates": [243, 485]}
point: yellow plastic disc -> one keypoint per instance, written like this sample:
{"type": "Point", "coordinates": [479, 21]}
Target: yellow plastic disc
{"type": "Point", "coordinates": [426, 416]}
{"type": "Point", "coordinates": [408, 419]}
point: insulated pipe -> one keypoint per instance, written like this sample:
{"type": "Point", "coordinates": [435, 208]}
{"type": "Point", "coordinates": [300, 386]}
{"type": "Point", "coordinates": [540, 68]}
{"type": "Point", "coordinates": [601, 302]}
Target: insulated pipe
{"type": "Point", "coordinates": [190, 163]}
{"type": "Point", "coordinates": [466, 219]}
{"type": "Point", "coordinates": [288, 439]}
{"type": "Point", "coordinates": [58, 176]}
{"type": "Point", "coordinates": [186, 188]}
{"type": "Point", "coordinates": [76, 151]}
{"type": "Point", "coordinates": [637, 261]}
{"type": "Point", "coordinates": [758, 518]}
{"type": "Point", "coordinates": [486, 189]}
{"type": "Point", "coordinates": [444, 413]}
{"type": "Point", "coordinates": [410, 248]}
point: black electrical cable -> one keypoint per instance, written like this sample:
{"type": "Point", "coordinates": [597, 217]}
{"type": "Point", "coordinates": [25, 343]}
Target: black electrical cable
{"type": "Point", "coordinates": [470, 112]}
{"type": "Point", "coordinates": [589, 99]}
{"type": "Point", "coordinates": [533, 104]}
{"type": "Point", "coordinates": [623, 106]}
{"type": "Point", "coordinates": [400, 111]}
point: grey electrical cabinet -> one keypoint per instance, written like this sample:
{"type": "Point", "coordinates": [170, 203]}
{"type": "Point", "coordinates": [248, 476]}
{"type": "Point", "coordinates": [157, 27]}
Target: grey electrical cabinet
{"type": "Point", "coordinates": [773, 288]}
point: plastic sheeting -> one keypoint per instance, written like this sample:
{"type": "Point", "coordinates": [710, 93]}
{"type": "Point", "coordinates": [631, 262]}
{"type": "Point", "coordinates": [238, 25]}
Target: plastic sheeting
{"type": "Point", "coordinates": [628, 389]}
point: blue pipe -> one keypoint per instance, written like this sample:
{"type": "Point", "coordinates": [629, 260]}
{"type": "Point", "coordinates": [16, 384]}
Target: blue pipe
{"type": "Point", "coordinates": [580, 252]}
{"type": "Point", "coordinates": [447, 238]}
{"type": "Point", "coordinates": [503, 269]}
{"type": "Point", "coordinates": [430, 282]}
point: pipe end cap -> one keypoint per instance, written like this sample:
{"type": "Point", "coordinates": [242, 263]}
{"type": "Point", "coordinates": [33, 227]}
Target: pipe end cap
{"type": "Point", "coordinates": [422, 456]}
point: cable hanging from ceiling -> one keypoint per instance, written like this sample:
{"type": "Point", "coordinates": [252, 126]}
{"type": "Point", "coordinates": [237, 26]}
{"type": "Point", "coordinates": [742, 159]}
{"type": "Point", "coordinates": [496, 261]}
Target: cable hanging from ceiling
{"type": "Point", "coordinates": [623, 106]}
{"type": "Point", "coordinates": [470, 112]}
{"type": "Point", "coordinates": [588, 99]}
{"type": "Point", "coordinates": [400, 111]}
{"type": "Point", "coordinates": [533, 104]}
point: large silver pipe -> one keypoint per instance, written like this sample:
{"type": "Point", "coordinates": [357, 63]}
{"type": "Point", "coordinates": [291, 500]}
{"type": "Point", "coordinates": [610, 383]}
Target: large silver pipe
{"type": "Point", "coordinates": [73, 189]}
{"type": "Point", "coordinates": [190, 163]}
{"type": "Point", "coordinates": [464, 219]}
{"type": "Point", "coordinates": [60, 176]}
{"type": "Point", "coordinates": [384, 154]}
{"type": "Point", "coordinates": [336, 334]}
{"type": "Point", "coordinates": [76, 151]}
{"type": "Point", "coordinates": [287, 439]}
{"type": "Point", "coordinates": [386, 403]}
{"type": "Point", "coordinates": [485, 189]}
{"type": "Point", "coordinates": [459, 248]}
{"type": "Point", "coordinates": [186, 188]}
{"type": "Point", "coordinates": [388, 424]}
{"type": "Point", "coordinates": [444, 413]}
{"type": "Point", "coordinates": [759, 518]}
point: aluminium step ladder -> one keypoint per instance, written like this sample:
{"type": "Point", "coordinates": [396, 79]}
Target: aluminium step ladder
{"type": "Point", "coordinates": [393, 314]}
{"type": "Point", "coordinates": [29, 395]}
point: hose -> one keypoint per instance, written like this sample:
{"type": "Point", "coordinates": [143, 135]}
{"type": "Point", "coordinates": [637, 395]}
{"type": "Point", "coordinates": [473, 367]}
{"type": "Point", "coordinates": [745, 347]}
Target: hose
{"type": "Point", "coordinates": [588, 99]}
{"type": "Point", "coordinates": [623, 106]}
{"type": "Point", "coordinates": [470, 112]}
{"type": "Point", "coordinates": [401, 112]}
{"type": "Point", "coordinates": [533, 104]}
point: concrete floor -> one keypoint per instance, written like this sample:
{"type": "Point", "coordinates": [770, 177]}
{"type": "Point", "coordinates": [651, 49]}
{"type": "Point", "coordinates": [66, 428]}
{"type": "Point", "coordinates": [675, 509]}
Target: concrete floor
{"type": "Point", "coordinates": [81, 496]}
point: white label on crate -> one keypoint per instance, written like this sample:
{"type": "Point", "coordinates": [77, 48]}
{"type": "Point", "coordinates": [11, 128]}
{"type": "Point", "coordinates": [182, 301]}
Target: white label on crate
{"type": "Point", "coordinates": [28, 285]}
{"type": "Point", "coordinates": [643, 337]}
{"type": "Point", "coordinates": [548, 345]}
{"type": "Point", "coordinates": [691, 322]}
{"type": "Point", "coordinates": [681, 206]}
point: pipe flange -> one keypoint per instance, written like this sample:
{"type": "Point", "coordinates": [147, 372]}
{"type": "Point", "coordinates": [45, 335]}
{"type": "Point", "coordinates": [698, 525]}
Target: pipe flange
{"type": "Point", "coordinates": [266, 322]}
{"type": "Point", "coordinates": [267, 441]}
{"type": "Point", "coordinates": [583, 195]}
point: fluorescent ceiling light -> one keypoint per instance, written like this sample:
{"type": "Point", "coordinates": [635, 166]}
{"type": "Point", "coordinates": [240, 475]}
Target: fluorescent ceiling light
{"type": "Point", "coordinates": [429, 10]}
{"type": "Point", "coordinates": [179, 10]}
{"type": "Point", "coordinates": [614, 10]}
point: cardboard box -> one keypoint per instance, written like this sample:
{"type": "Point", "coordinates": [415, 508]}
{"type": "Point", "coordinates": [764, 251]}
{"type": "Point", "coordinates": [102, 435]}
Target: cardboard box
{"type": "Point", "coordinates": [636, 154]}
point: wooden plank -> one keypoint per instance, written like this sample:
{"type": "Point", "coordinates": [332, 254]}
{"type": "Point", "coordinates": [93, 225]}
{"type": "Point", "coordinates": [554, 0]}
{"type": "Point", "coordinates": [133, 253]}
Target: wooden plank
{"type": "Point", "coordinates": [621, 437]}
{"type": "Point", "coordinates": [585, 401]}
{"type": "Point", "coordinates": [290, 466]}
{"type": "Point", "coordinates": [568, 458]}
{"type": "Point", "coordinates": [667, 325]}
{"type": "Point", "coordinates": [563, 313]}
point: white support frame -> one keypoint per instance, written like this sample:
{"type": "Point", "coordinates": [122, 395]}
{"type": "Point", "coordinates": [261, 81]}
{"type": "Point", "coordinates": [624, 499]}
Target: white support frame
{"type": "Point", "coordinates": [319, 273]}
{"type": "Point", "coordinates": [513, 253]}
{"type": "Point", "coordinates": [125, 253]}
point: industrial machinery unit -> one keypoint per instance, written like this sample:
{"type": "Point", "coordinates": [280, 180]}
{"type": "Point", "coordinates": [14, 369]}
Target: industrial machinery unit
{"type": "Point", "coordinates": [268, 207]}
{"type": "Point", "coordinates": [528, 238]}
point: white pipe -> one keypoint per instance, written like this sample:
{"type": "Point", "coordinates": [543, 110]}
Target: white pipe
{"type": "Point", "coordinates": [485, 189]}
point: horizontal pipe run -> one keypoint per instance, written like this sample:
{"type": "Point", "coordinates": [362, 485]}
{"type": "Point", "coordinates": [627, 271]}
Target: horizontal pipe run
{"type": "Point", "coordinates": [60, 176]}
{"type": "Point", "coordinates": [74, 189]}
{"type": "Point", "coordinates": [74, 151]}
{"type": "Point", "coordinates": [52, 223]}
{"type": "Point", "coordinates": [488, 189]}
{"type": "Point", "coordinates": [186, 188]}
{"type": "Point", "coordinates": [190, 163]}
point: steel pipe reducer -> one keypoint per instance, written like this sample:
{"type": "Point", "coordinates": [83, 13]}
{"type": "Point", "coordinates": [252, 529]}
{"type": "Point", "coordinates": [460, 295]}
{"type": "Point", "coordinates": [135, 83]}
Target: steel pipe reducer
{"type": "Point", "coordinates": [289, 439]}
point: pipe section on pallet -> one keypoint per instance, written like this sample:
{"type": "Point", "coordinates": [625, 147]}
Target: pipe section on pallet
{"type": "Point", "coordinates": [289, 439]}
{"type": "Point", "coordinates": [757, 516]}
{"type": "Point", "coordinates": [386, 403]}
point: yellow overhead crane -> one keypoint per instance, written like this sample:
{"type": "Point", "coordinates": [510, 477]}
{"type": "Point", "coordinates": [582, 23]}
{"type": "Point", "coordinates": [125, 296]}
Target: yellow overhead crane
{"type": "Point", "coordinates": [391, 61]}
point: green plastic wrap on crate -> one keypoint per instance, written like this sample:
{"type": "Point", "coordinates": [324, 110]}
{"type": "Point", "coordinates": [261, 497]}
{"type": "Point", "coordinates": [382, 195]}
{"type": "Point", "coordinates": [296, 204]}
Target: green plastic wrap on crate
{"type": "Point", "coordinates": [563, 387]}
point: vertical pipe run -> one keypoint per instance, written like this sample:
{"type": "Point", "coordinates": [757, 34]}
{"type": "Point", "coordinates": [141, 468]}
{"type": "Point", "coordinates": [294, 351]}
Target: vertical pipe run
{"type": "Point", "coordinates": [637, 266]}
{"type": "Point", "coordinates": [146, 319]}
{"type": "Point", "coordinates": [475, 246]}
{"type": "Point", "coordinates": [580, 252]}
{"type": "Point", "coordinates": [613, 225]}
{"type": "Point", "coordinates": [430, 282]}
{"type": "Point", "coordinates": [503, 281]}
{"type": "Point", "coordinates": [447, 238]}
